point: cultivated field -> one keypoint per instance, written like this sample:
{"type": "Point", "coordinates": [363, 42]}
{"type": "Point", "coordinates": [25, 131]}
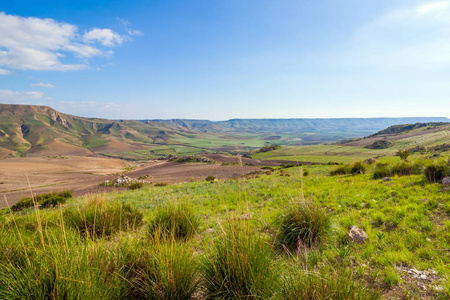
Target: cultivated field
{"type": "Point", "coordinates": [21, 177]}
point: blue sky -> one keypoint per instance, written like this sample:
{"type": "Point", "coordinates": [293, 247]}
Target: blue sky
{"type": "Point", "coordinates": [227, 59]}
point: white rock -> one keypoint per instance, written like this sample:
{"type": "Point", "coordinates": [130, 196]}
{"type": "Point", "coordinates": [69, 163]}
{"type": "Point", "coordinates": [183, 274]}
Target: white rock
{"type": "Point", "coordinates": [357, 235]}
{"type": "Point", "coordinates": [446, 181]}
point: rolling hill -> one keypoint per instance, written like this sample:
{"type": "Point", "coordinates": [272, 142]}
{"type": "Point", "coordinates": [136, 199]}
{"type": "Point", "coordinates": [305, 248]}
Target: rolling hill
{"type": "Point", "coordinates": [310, 131]}
{"type": "Point", "coordinates": [28, 130]}
{"type": "Point", "coordinates": [40, 130]}
{"type": "Point", "coordinates": [431, 137]}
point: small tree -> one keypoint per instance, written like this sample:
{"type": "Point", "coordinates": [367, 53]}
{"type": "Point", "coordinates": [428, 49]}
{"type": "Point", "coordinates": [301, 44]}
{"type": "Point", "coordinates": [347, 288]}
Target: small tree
{"type": "Point", "coordinates": [403, 154]}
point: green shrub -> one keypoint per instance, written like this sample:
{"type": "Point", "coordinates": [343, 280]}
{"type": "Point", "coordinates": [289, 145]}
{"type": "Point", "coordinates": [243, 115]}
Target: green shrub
{"type": "Point", "coordinates": [436, 172]}
{"type": "Point", "coordinates": [161, 184]}
{"type": "Point", "coordinates": [177, 220]}
{"type": "Point", "coordinates": [303, 223]}
{"type": "Point", "coordinates": [98, 217]}
{"type": "Point", "coordinates": [403, 154]}
{"type": "Point", "coordinates": [402, 169]}
{"type": "Point", "coordinates": [358, 167]}
{"type": "Point", "coordinates": [135, 185]}
{"type": "Point", "coordinates": [305, 172]}
{"type": "Point", "coordinates": [341, 170]}
{"type": "Point", "coordinates": [238, 266]}
{"type": "Point", "coordinates": [381, 170]}
{"type": "Point", "coordinates": [45, 200]}
{"type": "Point", "coordinates": [210, 178]}
{"type": "Point", "coordinates": [267, 168]}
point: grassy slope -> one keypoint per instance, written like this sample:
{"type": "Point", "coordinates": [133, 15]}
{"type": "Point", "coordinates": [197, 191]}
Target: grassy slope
{"type": "Point", "coordinates": [407, 221]}
{"type": "Point", "coordinates": [24, 127]}
{"type": "Point", "coordinates": [348, 152]}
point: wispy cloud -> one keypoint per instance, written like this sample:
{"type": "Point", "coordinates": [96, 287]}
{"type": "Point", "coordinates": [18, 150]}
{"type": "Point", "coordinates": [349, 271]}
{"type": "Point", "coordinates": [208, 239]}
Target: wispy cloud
{"type": "Point", "coordinates": [19, 97]}
{"type": "Point", "coordinates": [127, 25]}
{"type": "Point", "coordinates": [41, 44]}
{"type": "Point", "coordinates": [78, 108]}
{"type": "Point", "coordinates": [418, 36]}
{"type": "Point", "coordinates": [5, 72]}
{"type": "Point", "coordinates": [42, 84]}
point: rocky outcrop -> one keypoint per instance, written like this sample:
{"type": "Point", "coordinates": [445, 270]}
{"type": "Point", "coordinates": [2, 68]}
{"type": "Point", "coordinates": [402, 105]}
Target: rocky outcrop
{"type": "Point", "coordinates": [56, 117]}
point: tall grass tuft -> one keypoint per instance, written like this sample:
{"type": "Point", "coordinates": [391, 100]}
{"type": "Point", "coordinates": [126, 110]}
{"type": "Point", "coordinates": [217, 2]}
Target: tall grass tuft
{"type": "Point", "coordinates": [98, 218]}
{"type": "Point", "coordinates": [358, 167]}
{"type": "Point", "coordinates": [303, 224]}
{"type": "Point", "coordinates": [381, 170]}
{"type": "Point", "coordinates": [165, 269]}
{"type": "Point", "coordinates": [238, 265]}
{"type": "Point", "coordinates": [402, 169]}
{"type": "Point", "coordinates": [298, 284]}
{"type": "Point", "coordinates": [175, 219]}
{"type": "Point", "coordinates": [62, 267]}
{"type": "Point", "coordinates": [341, 170]}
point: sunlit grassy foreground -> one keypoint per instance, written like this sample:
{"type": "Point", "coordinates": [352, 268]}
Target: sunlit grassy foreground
{"type": "Point", "coordinates": [274, 236]}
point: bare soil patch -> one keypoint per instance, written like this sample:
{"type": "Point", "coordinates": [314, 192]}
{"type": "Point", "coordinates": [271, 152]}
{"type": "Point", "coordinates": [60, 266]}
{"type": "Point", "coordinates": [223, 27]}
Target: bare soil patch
{"type": "Point", "coordinates": [57, 148]}
{"type": "Point", "coordinates": [176, 173]}
{"type": "Point", "coordinates": [44, 175]}
{"type": "Point", "coordinates": [5, 152]}
{"type": "Point", "coordinates": [19, 177]}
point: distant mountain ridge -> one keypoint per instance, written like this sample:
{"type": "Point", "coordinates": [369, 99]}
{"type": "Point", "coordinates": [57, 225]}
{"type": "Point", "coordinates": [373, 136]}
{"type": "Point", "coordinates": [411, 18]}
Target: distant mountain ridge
{"type": "Point", "coordinates": [361, 126]}
{"type": "Point", "coordinates": [27, 130]}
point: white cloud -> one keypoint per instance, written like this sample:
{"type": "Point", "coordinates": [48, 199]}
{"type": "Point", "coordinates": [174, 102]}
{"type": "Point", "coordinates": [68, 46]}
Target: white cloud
{"type": "Point", "coordinates": [5, 72]}
{"type": "Point", "coordinates": [414, 37]}
{"type": "Point", "coordinates": [432, 7]}
{"type": "Point", "coordinates": [40, 44]}
{"type": "Point", "coordinates": [42, 84]}
{"type": "Point", "coordinates": [19, 97]}
{"type": "Point", "coordinates": [106, 37]}
{"type": "Point", "coordinates": [132, 32]}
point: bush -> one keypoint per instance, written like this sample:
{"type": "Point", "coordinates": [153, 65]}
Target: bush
{"type": "Point", "coordinates": [381, 170]}
{"type": "Point", "coordinates": [45, 200]}
{"type": "Point", "coordinates": [436, 172]}
{"type": "Point", "coordinates": [98, 217]}
{"type": "Point", "coordinates": [210, 178]}
{"type": "Point", "coordinates": [402, 169]}
{"type": "Point", "coordinates": [161, 184]}
{"type": "Point", "coordinates": [269, 148]}
{"type": "Point", "coordinates": [403, 154]}
{"type": "Point", "coordinates": [135, 185]}
{"type": "Point", "coordinates": [303, 224]}
{"type": "Point", "coordinates": [358, 167]}
{"type": "Point", "coordinates": [305, 172]}
{"type": "Point", "coordinates": [380, 144]}
{"type": "Point", "coordinates": [175, 220]}
{"type": "Point", "coordinates": [238, 266]}
{"type": "Point", "coordinates": [341, 170]}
